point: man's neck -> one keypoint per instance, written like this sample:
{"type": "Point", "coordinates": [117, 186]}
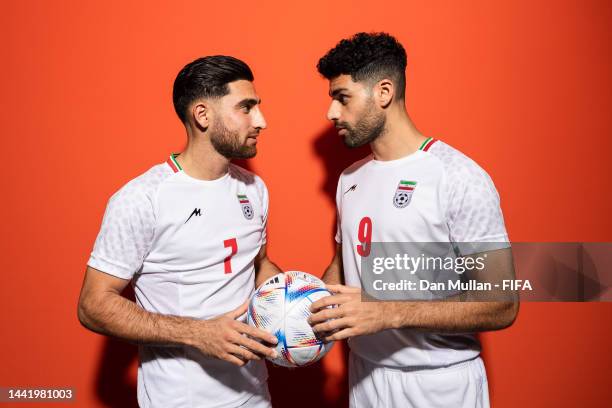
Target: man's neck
{"type": "Point", "coordinates": [200, 160]}
{"type": "Point", "coordinates": [400, 137]}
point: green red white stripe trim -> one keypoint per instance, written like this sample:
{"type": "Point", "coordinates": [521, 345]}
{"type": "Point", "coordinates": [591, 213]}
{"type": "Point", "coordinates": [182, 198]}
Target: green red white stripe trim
{"type": "Point", "coordinates": [427, 144]}
{"type": "Point", "coordinates": [406, 185]}
{"type": "Point", "coordinates": [243, 199]}
{"type": "Point", "coordinates": [173, 163]}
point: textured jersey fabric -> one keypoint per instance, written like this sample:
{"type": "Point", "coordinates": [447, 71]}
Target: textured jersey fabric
{"type": "Point", "coordinates": [452, 200]}
{"type": "Point", "coordinates": [189, 247]}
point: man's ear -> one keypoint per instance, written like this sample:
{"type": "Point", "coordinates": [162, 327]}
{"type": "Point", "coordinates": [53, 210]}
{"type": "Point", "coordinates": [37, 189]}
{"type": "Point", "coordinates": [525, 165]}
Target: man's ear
{"type": "Point", "coordinates": [384, 92]}
{"type": "Point", "coordinates": [201, 113]}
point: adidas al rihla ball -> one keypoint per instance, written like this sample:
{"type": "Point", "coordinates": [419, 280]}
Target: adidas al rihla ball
{"type": "Point", "coordinates": [281, 306]}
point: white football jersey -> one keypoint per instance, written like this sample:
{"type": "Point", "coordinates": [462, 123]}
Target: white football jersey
{"type": "Point", "coordinates": [436, 194]}
{"type": "Point", "coordinates": [188, 245]}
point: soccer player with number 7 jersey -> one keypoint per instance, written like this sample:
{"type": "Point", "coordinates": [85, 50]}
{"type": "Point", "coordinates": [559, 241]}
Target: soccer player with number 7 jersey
{"type": "Point", "coordinates": [190, 234]}
{"type": "Point", "coordinates": [416, 189]}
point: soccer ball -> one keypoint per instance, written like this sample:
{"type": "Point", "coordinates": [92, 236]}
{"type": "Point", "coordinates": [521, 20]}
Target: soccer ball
{"type": "Point", "coordinates": [281, 306]}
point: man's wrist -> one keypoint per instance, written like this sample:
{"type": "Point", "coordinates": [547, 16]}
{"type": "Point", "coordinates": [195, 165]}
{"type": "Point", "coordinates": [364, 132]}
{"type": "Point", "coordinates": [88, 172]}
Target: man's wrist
{"type": "Point", "coordinates": [186, 329]}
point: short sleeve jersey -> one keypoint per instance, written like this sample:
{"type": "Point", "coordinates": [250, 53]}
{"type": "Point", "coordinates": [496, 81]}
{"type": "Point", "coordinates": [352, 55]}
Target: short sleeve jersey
{"type": "Point", "coordinates": [188, 246]}
{"type": "Point", "coordinates": [436, 194]}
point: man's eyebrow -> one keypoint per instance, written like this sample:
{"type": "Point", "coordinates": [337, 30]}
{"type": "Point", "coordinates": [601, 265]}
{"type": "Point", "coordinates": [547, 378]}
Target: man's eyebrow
{"type": "Point", "coordinates": [248, 103]}
{"type": "Point", "coordinates": [337, 91]}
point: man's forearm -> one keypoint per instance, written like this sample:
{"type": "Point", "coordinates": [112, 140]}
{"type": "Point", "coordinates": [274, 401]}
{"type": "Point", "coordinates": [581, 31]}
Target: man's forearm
{"type": "Point", "coordinates": [113, 315]}
{"type": "Point", "coordinates": [266, 269]}
{"type": "Point", "coordinates": [470, 311]}
{"type": "Point", "coordinates": [332, 275]}
{"type": "Point", "coordinates": [450, 317]}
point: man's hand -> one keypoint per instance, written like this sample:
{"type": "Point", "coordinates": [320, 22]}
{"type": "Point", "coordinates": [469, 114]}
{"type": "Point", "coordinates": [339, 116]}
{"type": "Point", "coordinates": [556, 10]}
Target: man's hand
{"type": "Point", "coordinates": [228, 339]}
{"type": "Point", "coordinates": [348, 316]}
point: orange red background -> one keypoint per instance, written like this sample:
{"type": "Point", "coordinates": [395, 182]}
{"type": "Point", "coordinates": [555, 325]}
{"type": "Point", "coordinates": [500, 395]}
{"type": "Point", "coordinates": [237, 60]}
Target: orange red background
{"type": "Point", "coordinates": [522, 87]}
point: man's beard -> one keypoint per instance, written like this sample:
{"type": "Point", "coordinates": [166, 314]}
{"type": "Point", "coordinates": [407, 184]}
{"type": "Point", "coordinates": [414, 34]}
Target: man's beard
{"type": "Point", "coordinates": [227, 143]}
{"type": "Point", "coordinates": [366, 130]}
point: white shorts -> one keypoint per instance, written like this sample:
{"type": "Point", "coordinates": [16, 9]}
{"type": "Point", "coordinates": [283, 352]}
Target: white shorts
{"type": "Point", "coordinates": [461, 385]}
{"type": "Point", "coordinates": [259, 400]}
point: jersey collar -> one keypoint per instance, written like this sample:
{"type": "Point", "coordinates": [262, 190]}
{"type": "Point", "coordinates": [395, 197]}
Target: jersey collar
{"type": "Point", "coordinates": [173, 163]}
{"type": "Point", "coordinates": [427, 144]}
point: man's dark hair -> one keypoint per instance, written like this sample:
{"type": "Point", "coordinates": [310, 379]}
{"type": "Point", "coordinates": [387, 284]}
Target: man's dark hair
{"type": "Point", "coordinates": [206, 77]}
{"type": "Point", "coordinates": [367, 57]}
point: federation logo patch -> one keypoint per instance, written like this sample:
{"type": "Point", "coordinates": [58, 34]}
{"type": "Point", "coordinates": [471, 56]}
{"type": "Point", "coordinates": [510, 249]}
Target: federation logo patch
{"type": "Point", "coordinates": [403, 194]}
{"type": "Point", "coordinates": [247, 209]}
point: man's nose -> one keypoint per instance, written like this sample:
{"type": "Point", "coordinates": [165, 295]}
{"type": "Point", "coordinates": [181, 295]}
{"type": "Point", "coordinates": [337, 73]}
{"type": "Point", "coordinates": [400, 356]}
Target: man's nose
{"type": "Point", "coordinates": [333, 113]}
{"type": "Point", "coordinates": [259, 121]}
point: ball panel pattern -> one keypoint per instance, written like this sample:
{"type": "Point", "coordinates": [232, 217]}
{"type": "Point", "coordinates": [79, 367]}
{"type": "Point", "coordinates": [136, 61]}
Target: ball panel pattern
{"type": "Point", "coordinates": [281, 306]}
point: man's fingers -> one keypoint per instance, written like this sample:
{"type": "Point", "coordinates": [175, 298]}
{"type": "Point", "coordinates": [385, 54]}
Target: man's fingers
{"type": "Point", "coordinates": [239, 311]}
{"type": "Point", "coordinates": [333, 288]}
{"type": "Point", "coordinates": [342, 289]}
{"type": "Point", "coordinates": [233, 359]}
{"type": "Point", "coordinates": [340, 335]}
{"type": "Point", "coordinates": [325, 314]}
{"type": "Point", "coordinates": [256, 333]}
{"type": "Point", "coordinates": [328, 301]}
{"type": "Point", "coordinates": [331, 325]}
{"type": "Point", "coordinates": [242, 353]}
{"type": "Point", "coordinates": [256, 347]}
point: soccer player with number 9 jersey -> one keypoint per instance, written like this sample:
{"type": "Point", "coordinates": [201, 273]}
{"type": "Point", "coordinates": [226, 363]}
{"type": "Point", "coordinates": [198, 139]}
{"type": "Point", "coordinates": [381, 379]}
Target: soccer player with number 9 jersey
{"type": "Point", "coordinates": [411, 189]}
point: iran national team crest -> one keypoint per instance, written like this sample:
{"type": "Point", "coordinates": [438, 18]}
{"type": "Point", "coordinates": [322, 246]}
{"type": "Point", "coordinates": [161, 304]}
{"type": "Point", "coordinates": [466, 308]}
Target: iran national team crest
{"type": "Point", "coordinates": [403, 194]}
{"type": "Point", "coordinates": [247, 209]}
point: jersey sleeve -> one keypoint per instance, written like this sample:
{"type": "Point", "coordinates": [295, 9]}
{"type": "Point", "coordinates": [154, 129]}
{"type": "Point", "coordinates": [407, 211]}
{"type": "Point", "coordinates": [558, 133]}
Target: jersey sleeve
{"type": "Point", "coordinates": [265, 202]}
{"type": "Point", "coordinates": [338, 236]}
{"type": "Point", "coordinates": [474, 214]}
{"type": "Point", "coordinates": [126, 233]}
